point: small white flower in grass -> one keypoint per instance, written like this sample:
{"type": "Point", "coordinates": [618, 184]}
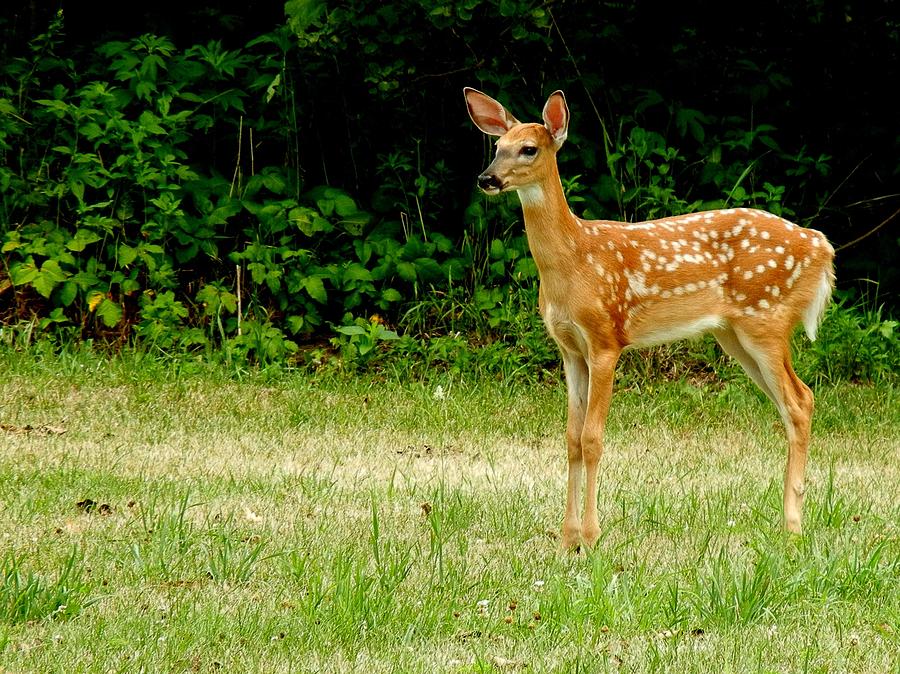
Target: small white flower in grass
{"type": "Point", "coordinates": [483, 603]}
{"type": "Point", "coordinates": [730, 523]}
{"type": "Point", "coordinates": [439, 392]}
{"type": "Point", "coordinates": [538, 585]}
{"type": "Point", "coordinates": [853, 640]}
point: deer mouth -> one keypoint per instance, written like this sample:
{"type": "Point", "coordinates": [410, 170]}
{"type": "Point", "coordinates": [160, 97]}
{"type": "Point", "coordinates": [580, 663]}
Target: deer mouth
{"type": "Point", "coordinates": [490, 184]}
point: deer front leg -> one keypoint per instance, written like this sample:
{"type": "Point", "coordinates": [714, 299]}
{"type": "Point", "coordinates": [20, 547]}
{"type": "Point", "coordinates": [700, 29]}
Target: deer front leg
{"type": "Point", "coordinates": [577, 377]}
{"type": "Point", "coordinates": [602, 374]}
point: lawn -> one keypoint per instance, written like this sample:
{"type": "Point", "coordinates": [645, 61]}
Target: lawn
{"type": "Point", "coordinates": [173, 517]}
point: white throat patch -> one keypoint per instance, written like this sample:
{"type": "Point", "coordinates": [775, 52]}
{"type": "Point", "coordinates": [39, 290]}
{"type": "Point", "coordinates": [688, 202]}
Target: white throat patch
{"type": "Point", "coordinates": [531, 195]}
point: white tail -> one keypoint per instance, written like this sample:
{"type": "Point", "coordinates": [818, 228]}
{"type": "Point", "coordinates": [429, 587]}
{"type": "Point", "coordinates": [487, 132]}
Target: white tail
{"type": "Point", "coordinates": [747, 276]}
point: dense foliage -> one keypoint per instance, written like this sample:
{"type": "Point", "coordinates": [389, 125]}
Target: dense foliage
{"type": "Point", "coordinates": [311, 184]}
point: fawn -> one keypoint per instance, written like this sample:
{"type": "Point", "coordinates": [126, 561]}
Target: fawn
{"type": "Point", "coordinates": [747, 276]}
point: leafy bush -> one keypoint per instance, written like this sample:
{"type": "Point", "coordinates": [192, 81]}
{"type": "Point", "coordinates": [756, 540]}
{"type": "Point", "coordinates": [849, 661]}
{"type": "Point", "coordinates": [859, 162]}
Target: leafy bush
{"type": "Point", "coordinates": [176, 196]}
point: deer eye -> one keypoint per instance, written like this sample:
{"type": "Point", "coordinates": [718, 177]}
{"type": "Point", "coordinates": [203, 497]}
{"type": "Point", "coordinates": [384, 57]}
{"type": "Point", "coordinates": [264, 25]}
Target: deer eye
{"type": "Point", "coordinates": [528, 151]}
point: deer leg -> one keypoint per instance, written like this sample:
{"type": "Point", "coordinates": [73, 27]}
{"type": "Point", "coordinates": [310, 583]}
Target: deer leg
{"type": "Point", "coordinates": [795, 403]}
{"type": "Point", "coordinates": [731, 345]}
{"type": "Point", "coordinates": [577, 377]}
{"type": "Point", "coordinates": [603, 369]}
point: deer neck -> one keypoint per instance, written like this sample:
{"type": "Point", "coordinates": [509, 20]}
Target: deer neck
{"type": "Point", "coordinates": [550, 226]}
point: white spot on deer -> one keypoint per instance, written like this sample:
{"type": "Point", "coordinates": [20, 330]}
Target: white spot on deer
{"type": "Point", "coordinates": [803, 235]}
{"type": "Point", "coordinates": [691, 287]}
{"type": "Point", "coordinates": [776, 291]}
{"type": "Point", "coordinates": [789, 262]}
{"type": "Point", "coordinates": [745, 243]}
{"type": "Point", "coordinates": [672, 266]}
{"type": "Point", "coordinates": [764, 234]}
{"type": "Point", "coordinates": [779, 250]}
{"type": "Point", "coordinates": [763, 304]}
{"type": "Point", "coordinates": [599, 269]}
{"type": "Point", "coordinates": [665, 294]}
{"type": "Point", "coordinates": [590, 259]}
{"type": "Point", "coordinates": [637, 283]}
{"type": "Point", "coordinates": [794, 276]}
{"type": "Point", "coordinates": [748, 275]}
{"type": "Point", "coordinates": [760, 269]}
{"type": "Point", "coordinates": [739, 227]}
{"type": "Point", "coordinates": [739, 297]}
{"type": "Point", "coordinates": [772, 264]}
{"type": "Point", "coordinates": [749, 311]}
{"type": "Point", "coordinates": [678, 290]}
{"type": "Point", "coordinates": [619, 256]}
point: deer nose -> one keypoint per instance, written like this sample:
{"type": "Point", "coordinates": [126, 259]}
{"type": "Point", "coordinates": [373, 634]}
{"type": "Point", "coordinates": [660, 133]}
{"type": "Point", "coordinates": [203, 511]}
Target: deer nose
{"type": "Point", "coordinates": [488, 181]}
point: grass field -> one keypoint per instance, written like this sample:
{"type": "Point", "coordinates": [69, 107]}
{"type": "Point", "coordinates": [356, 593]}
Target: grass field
{"type": "Point", "coordinates": [163, 519]}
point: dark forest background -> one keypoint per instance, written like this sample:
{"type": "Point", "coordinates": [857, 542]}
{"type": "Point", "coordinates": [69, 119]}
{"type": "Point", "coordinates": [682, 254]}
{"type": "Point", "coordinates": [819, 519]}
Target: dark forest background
{"type": "Point", "coordinates": [263, 177]}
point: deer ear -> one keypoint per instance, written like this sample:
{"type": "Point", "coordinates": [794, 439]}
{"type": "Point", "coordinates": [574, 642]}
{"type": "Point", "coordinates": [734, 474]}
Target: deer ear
{"type": "Point", "coordinates": [556, 118]}
{"type": "Point", "coordinates": [488, 114]}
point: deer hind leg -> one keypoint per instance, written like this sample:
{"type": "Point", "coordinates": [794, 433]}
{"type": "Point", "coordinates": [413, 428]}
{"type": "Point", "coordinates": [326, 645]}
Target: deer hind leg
{"type": "Point", "coordinates": [577, 378]}
{"type": "Point", "coordinates": [794, 401]}
{"type": "Point", "coordinates": [603, 369]}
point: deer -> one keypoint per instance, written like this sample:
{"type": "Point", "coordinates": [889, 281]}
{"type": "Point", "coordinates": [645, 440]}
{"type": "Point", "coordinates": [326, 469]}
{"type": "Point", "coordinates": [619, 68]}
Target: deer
{"type": "Point", "coordinates": [747, 276]}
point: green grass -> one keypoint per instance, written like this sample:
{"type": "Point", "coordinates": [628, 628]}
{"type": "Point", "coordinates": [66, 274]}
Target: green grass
{"type": "Point", "coordinates": [168, 517]}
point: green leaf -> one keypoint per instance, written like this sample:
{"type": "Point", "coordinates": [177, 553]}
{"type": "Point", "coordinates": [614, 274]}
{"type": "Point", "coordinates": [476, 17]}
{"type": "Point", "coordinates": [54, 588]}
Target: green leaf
{"type": "Point", "coordinates": [44, 285]}
{"type": "Point", "coordinates": [150, 122]}
{"type": "Point", "coordinates": [391, 295]}
{"type": "Point", "coordinates": [82, 239]}
{"type": "Point", "coordinates": [344, 205]}
{"type": "Point", "coordinates": [356, 272]}
{"type": "Point", "coordinates": [295, 324]}
{"type": "Point", "coordinates": [497, 249]}
{"type": "Point", "coordinates": [52, 270]}
{"type": "Point", "coordinates": [316, 289]}
{"type": "Point", "coordinates": [67, 293]}
{"type": "Point", "coordinates": [23, 274]}
{"type": "Point", "coordinates": [109, 312]}
{"type": "Point", "coordinates": [351, 330]}
{"type": "Point", "coordinates": [406, 271]}
{"type": "Point", "coordinates": [127, 254]}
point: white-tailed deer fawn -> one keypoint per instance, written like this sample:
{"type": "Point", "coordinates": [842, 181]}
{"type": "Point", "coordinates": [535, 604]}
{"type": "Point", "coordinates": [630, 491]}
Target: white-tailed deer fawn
{"type": "Point", "coordinates": [745, 275]}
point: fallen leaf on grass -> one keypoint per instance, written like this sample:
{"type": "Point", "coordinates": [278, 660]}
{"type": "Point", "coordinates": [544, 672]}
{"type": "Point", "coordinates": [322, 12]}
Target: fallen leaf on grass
{"type": "Point", "coordinates": [503, 663]}
{"type": "Point", "coordinates": [37, 430]}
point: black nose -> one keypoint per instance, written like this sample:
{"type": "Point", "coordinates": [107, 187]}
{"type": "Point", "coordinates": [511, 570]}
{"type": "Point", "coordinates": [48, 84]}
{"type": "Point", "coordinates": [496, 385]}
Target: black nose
{"type": "Point", "coordinates": [487, 181]}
